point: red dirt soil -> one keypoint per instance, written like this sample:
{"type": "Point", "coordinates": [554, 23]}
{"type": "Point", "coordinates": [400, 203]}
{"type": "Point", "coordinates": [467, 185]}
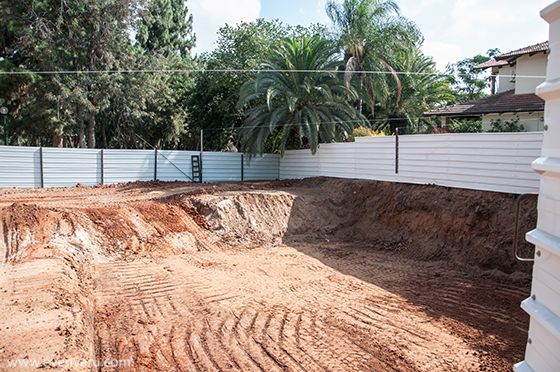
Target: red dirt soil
{"type": "Point", "coordinates": [313, 275]}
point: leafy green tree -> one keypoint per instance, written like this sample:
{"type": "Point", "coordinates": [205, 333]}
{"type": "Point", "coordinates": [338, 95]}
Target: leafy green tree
{"type": "Point", "coordinates": [14, 89]}
{"type": "Point", "coordinates": [167, 29]}
{"type": "Point", "coordinates": [82, 36]}
{"type": "Point", "coordinates": [297, 99]}
{"type": "Point", "coordinates": [92, 39]}
{"type": "Point", "coordinates": [469, 83]}
{"type": "Point", "coordinates": [148, 105]}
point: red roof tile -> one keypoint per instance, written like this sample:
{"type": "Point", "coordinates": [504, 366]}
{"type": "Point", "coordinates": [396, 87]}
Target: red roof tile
{"type": "Point", "coordinates": [497, 103]}
{"type": "Point", "coordinates": [532, 49]}
{"type": "Point", "coordinates": [491, 63]}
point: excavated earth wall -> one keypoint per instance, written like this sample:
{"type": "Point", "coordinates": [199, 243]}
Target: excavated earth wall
{"type": "Point", "coordinates": [319, 274]}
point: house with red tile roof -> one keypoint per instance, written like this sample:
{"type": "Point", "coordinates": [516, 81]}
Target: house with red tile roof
{"type": "Point", "coordinates": [514, 78]}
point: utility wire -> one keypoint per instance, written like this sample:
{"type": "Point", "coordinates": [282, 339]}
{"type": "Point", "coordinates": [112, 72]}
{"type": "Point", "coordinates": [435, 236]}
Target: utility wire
{"type": "Point", "coordinates": [243, 71]}
{"type": "Point", "coordinates": [372, 121]}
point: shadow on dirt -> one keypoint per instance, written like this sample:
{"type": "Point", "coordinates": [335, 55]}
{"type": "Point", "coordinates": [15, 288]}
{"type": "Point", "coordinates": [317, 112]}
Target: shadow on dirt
{"type": "Point", "coordinates": [447, 251]}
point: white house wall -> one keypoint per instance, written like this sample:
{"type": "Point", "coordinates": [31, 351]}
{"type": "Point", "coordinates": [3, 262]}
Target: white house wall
{"type": "Point", "coordinates": [543, 343]}
{"type": "Point", "coordinates": [532, 122]}
{"type": "Point", "coordinates": [504, 79]}
{"type": "Point", "coordinates": [531, 72]}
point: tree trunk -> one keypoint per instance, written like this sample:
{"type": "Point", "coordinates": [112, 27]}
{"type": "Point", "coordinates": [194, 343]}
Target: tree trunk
{"type": "Point", "coordinates": [81, 136]}
{"type": "Point", "coordinates": [57, 140]}
{"type": "Point", "coordinates": [103, 135]}
{"type": "Point", "coordinates": [91, 131]}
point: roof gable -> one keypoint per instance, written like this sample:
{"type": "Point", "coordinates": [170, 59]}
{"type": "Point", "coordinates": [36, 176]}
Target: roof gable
{"type": "Point", "coordinates": [510, 57]}
{"type": "Point", "coordinates": [532, 49]}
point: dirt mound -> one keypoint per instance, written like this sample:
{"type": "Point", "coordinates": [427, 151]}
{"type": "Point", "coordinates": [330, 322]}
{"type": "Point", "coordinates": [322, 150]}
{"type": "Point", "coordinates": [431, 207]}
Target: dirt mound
{"type": "Point", "coordinates": [426, 222]}
{"type": "Point", "coordinates": [247, 218]}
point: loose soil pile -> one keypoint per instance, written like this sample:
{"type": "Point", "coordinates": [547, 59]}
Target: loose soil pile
{"type": "Point", "coordinates": [313, 275]}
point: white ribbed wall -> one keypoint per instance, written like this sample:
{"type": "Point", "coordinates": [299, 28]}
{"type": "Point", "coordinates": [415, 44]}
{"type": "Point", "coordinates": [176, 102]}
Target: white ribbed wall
{"type": "Point", "coordinates": [543, 344]}
{"type": "Point", "coordinates": [480, 161]}
{"type": "Point", "coordinates": [64, 167]}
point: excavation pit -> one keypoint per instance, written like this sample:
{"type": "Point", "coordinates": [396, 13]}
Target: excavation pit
{"type": "Point", "coordinates": [320, 274]}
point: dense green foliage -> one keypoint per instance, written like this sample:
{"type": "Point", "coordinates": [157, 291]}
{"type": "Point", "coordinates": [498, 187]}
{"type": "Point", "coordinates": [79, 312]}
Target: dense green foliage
{"type": "Point", "coordinates": [468, 82]}
{"type": "Point", "coordinates": [466, 126]}
{"type": "Point", "coordinates": [120, 74]}
{"type": "Point", "coordinates": [91, 39]}
{"type": "Point", "coordinates": [297, 97]}
{"type": "Point", "coordinates": [211, 103]}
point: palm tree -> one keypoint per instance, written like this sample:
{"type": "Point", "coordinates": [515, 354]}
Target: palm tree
{"type": "Point", "coordinates": [371, 33]}
{"type": "Point", "coordinates": [296, 100]}
{"type": "Point", "coordinates": [422, 88]}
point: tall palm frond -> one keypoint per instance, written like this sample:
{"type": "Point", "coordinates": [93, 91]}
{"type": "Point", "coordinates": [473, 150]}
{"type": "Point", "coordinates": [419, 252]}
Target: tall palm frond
{"type": "Point", "coordinates": [371, 33]}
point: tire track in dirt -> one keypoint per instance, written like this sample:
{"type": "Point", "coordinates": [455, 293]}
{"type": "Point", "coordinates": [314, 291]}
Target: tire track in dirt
{"type": "Point", "coordinates": [197, 313]}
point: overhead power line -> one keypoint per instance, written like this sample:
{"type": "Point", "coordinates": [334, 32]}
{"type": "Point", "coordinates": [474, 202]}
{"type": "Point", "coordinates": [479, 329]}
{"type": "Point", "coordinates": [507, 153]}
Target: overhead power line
{"type": "Point", "coordinates": [370, 121]}
{"type": "Point", "coordinates": [379, 72]}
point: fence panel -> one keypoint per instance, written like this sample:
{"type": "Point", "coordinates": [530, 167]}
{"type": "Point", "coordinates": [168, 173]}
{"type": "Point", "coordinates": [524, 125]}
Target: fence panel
{"type": "Point", "coordinates": [20, 167]}
{"type": "Point", "coordinates": [484, 161]}
{"type": "Point", "coordinates": [299, 164]}
{"type": "Point", "coordinates": [221, 166]}
{"type": "Point", "coordinates": [68, 167]}
{"type": "Point", "coordinates": [175, 165]}
{"type": "Point", "coordinates": [481, 161]}
{"type": "Point", "coordinates": [375, 158]}
{"type": "Point", "coordinates": [128, 165]}
{"type": "Point", "coordinates": [337, 160]}
{"type": "Point", "coordinates": [266, 167]}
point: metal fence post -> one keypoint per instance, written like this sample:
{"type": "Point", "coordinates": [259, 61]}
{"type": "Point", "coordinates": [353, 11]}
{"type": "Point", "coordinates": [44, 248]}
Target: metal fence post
{"type": "Point", "coordinates": [242, 176]}
{"type": "Point", "coordinates": [41, 161]}
{"type": "Point", "coordinates": [397, 150]}
{"type": "Point", "coordinates": [155, 166]}
{"type": "Point", "coordinates": [102, 168]}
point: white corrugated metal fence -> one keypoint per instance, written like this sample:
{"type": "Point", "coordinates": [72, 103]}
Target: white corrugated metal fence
{"type": "Point", "coordinates": [481, 161]}
{"type": "Point", "coordinates": [28, 167]}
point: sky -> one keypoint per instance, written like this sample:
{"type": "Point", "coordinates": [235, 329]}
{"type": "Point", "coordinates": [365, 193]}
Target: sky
{"type": "Point", "coordinates": [452, 29]}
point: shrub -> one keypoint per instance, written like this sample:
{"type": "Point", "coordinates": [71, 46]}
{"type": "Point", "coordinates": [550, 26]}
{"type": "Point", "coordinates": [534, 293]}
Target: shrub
{"type": "Point", "coordinates": [506, 126]}
{"type": "Point", "coordinates": [364, 132]}
{"type": "Point", "coordinates": [466, 126]}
